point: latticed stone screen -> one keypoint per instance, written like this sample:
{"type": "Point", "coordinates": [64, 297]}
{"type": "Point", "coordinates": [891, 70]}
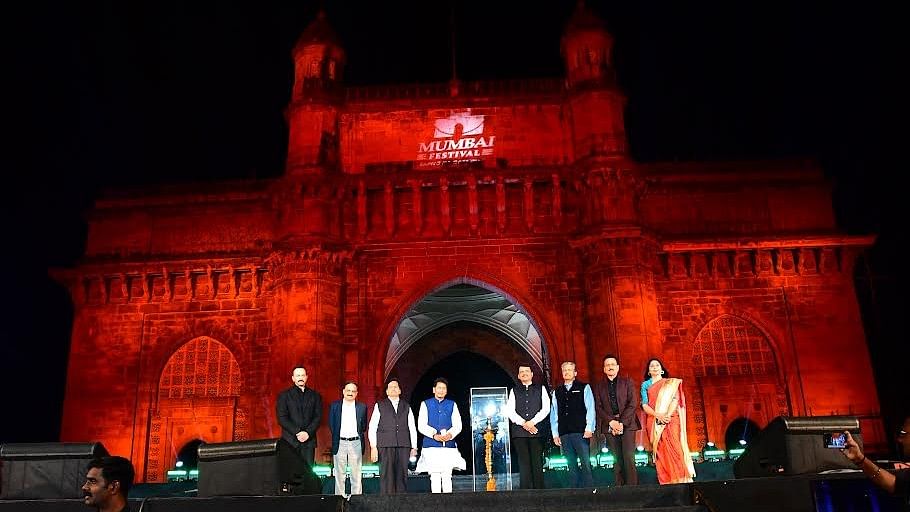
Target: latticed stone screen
{"type": "Point", "coordinates": [732, 346]}
{"type": "Point", "coordinates": [201, 368]}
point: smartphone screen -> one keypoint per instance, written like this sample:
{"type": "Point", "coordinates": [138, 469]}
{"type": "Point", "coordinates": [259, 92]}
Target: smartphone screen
{"type": "Point", "coordinates": [835, 440]}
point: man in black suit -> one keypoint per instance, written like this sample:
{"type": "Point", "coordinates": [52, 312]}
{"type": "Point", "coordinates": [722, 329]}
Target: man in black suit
{"type": "Point", "coordinates": [299, 412]}
{"type": "Point", "coordinates": [348, 424]}
{"type": "Point", "coordinates": [616, 404]}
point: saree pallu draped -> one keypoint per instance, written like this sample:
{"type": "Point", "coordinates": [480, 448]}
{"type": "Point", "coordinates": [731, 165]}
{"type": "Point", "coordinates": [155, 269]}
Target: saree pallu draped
{"type": "Point", "coordinates": [668, 442]}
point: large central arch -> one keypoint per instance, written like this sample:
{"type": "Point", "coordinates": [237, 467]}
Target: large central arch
{"type": "Point", "coordinates": [500, 328]}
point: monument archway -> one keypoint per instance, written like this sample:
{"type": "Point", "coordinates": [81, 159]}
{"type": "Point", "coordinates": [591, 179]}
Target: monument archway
{"type": "Point", "coordinates": [473, 337]}
{"type": "Point", "coordinates": [465, 317]}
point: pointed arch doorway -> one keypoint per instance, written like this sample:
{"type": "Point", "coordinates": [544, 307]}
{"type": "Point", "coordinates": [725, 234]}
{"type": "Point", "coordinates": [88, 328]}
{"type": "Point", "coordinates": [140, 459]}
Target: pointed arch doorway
{"type": "Point", "coordinates": [473, 337]}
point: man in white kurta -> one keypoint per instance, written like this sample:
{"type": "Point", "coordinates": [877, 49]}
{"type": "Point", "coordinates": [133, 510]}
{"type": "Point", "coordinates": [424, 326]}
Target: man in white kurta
{"type": "Point", "coordinates": [440, 421]}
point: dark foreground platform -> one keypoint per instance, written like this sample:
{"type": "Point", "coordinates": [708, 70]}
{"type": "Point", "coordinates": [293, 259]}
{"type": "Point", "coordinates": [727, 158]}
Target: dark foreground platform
{"type": "Point", "coordinates": [815, 493]}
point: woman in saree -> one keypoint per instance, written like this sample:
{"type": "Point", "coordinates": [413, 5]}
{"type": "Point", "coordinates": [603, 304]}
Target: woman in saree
{"type": "Point", "coordinates": [663, 400]}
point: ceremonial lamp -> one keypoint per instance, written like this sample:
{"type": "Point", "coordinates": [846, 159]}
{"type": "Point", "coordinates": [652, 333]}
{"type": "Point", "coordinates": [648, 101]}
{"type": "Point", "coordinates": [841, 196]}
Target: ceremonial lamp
{"type": "Point", "coordinates": [489, 434]}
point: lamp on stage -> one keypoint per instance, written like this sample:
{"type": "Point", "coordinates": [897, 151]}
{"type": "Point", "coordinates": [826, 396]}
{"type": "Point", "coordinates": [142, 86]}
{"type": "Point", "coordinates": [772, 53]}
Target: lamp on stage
{"type": "Point", "coordinates": [46, 470]}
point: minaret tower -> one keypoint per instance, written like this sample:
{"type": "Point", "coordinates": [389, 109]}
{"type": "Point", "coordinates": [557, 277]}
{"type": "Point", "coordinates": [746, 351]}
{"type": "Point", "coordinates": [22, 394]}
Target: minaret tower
{"type": "Point", "coordinates": [596, 103]}
{"type": "Point", "coordinates": [313, 114]}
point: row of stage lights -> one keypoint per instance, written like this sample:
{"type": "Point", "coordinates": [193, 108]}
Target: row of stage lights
{"type": "Point", "coordinates": [178, 474]}
{"type": "Point", "coordinates": [710, 453]}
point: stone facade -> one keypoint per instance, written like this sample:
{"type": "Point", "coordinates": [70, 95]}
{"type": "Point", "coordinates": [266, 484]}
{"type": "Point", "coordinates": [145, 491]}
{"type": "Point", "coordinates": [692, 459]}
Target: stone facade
{"type": "Point", "coordinates": [193, 303]}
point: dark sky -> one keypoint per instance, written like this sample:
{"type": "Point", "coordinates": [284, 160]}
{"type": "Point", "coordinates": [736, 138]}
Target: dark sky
{"type": "Point", "coordinates": [114, 94]}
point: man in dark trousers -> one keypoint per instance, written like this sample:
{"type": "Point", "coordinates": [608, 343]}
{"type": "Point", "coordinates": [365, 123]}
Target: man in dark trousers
{"type": "Point", "coordinates": [572, 423]}
{"type": "Point", "coordinates": [299, 412]}
{"type": "Point", "coordinates": [527, 406]}
{"type": "Point", "coordinates": [348, 424]}
{"type": "Point", "coordinates": [393, 439]}
{"type": "Point", "coordinates": [616, 403]}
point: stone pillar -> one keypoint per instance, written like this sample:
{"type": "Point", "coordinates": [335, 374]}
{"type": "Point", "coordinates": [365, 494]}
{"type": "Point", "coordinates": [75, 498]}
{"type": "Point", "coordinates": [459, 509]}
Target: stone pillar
{"type": "Point", "coordinates": [307, 305]}
{"type": "Point", "coordinates": [621, 308]}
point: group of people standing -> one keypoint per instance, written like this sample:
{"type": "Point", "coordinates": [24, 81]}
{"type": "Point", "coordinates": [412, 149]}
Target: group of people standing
{"type": "Point", "coordinates": [608, 409]}
{"type": "Point", "coordinates": [391, 431]}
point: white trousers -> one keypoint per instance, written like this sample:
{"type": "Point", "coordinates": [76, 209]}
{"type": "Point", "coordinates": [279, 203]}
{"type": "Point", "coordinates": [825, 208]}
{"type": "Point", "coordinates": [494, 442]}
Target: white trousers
{"type": "Point", "coordinates": [349, 454]}
{"type": "Point", "coordinates": [441, 482]}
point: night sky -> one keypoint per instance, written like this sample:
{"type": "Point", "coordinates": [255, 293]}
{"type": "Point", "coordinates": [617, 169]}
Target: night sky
{"type": "Point", "coordinates": [124, 94]}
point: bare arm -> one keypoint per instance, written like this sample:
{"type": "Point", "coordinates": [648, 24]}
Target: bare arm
{"type": "Point", "coordinates": [880, 477]}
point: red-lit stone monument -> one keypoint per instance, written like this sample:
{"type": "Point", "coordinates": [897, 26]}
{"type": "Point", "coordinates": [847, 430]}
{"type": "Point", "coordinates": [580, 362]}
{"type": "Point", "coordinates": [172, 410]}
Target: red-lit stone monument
{"type": "Point", "coordinates": [193, 303]}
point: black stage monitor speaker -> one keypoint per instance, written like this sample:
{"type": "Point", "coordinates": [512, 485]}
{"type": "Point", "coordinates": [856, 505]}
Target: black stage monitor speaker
{"type": "Point", "coordinates": [264, 467]}
{"type": "Point", "coordinates": [797, 445]}
{"type": "Point", "coordinates": [46, 470]}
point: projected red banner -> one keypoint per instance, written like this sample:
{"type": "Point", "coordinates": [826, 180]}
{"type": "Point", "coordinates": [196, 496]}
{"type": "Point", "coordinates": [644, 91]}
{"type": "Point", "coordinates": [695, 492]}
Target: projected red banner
{"type": "Point", "coordinates": [461, 137]}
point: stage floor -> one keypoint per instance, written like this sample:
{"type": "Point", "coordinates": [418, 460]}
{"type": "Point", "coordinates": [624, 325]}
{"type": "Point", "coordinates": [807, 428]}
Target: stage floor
{"type": "Point", "coordinates": [833, 492]}
{"type": "Point", "coordinates": [555, 479]}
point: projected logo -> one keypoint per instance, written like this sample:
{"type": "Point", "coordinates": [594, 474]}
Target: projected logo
{"type": "Point", "coordinates": [457, 138]}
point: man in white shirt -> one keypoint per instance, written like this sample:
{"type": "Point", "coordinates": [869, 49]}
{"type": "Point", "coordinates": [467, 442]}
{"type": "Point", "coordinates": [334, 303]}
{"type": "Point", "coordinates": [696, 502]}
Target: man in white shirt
{"type": "Point", "coordinates": [348, 424]}
{"type": "Point", "coordinates": [527, 406]}
{"type": "Point", "coordinates": [393, 439]}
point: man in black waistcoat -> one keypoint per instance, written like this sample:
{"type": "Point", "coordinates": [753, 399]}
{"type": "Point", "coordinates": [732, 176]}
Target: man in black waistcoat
{"type": "Point", "coordinates": [572, 421]}
{"type": "Point", "coordinates": [616, 401]}
{"type": "Point", "coordinates": [393, 439]}
{"type": "Point", "coordinates": [299, 412]}
{"type": "Point", "coordinates": [528, 405]}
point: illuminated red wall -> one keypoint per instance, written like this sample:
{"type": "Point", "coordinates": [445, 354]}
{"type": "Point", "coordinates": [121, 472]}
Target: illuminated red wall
{"type": "Point", "coordinates": [192, 305]}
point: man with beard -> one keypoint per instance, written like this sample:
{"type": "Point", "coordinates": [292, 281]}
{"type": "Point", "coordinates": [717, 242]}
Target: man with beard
{"type": "Point", "coordinates": [107, 484]}
{"type": "Point", "coordinates": [299, 413]}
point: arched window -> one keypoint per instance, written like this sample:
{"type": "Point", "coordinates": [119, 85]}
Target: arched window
{"type": "Point", "coordinates": [729, 345]}
{"type": "Point", "coordinates": [201, 368]}
{"type": "Point", "coordinates": [740, 429]}
{"type": "Point", "coordinates": [189, 454]}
